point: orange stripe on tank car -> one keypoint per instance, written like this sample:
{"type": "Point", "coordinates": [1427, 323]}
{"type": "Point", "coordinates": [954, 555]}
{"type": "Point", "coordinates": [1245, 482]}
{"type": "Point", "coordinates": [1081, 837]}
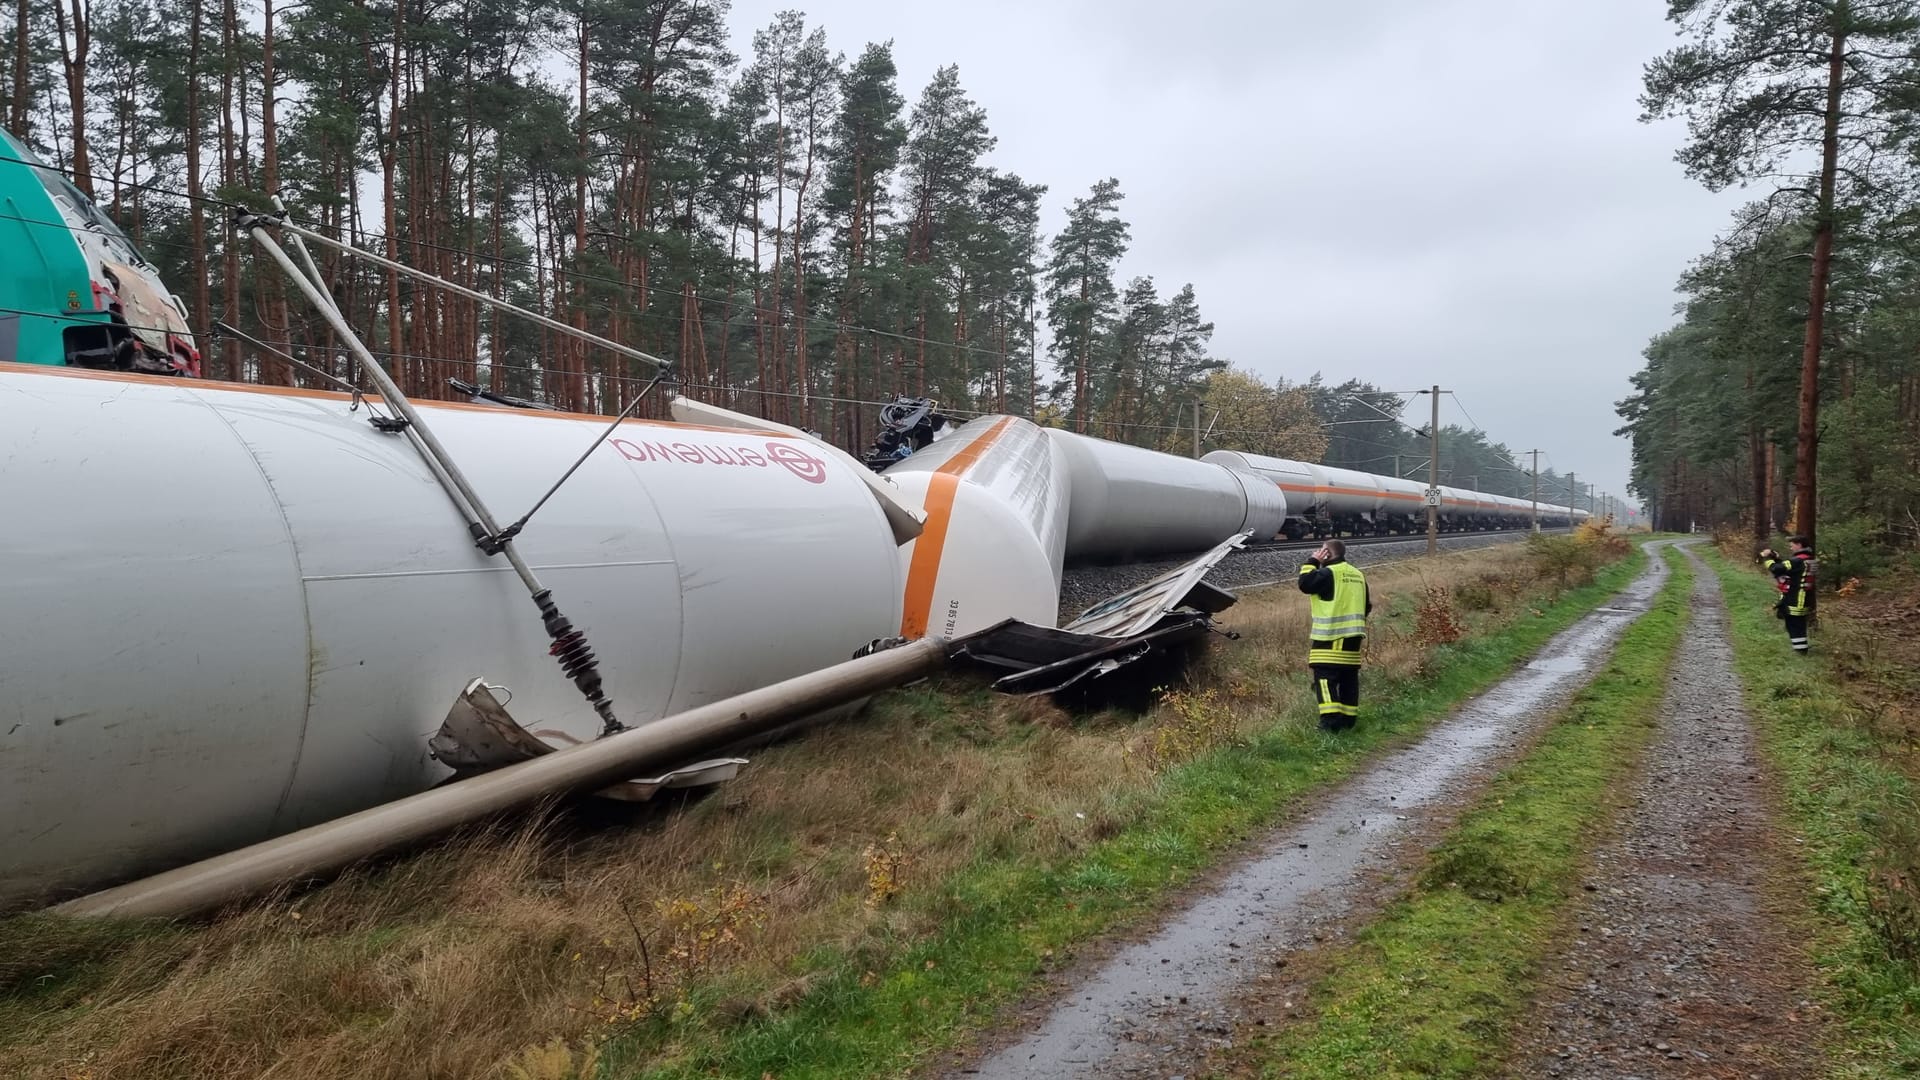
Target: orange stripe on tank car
{"type": "Point", "coordinates": [1348, 491]}
{"type": "Point", "coordinates": [932, 542]}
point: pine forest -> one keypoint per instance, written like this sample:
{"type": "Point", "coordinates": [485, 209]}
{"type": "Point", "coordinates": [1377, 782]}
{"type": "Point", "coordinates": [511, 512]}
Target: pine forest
{"type": "Point", "coordinates": [1789, 389]}
{"type": "Point", "coordinates": [802, 236]}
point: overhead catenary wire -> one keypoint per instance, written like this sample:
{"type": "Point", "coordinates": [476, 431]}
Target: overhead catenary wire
{"type": "Point", "coordinates": [138, 185]}
{"type": "Point", "coordinates": [735, 389]}
{"type": "Point", "coordinates": [757, 311]}
{"type": "Point", "coordinates": [120, 184]}
{"type": "Point", "coordinates": [267, 344]}
{"type": "Point", "coordinates": [556, 270]}
{"type": "Point", "coordinates": [1458, 404]}
{"type": "Point", "coordinates": [570, 647]}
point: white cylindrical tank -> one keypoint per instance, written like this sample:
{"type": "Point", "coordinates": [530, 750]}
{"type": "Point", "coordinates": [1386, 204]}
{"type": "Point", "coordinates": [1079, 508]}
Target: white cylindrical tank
{"type": "Point", "coordinates": [1302, 483]}
{"type": "Point", "coordinates": [1130, 502]}
{"type": "Point", "coordinates": [1266, 505]}
{"type": "Point", "coordinates": [1352, 494]}
{"type": "Point", "coordinates": [234, 611]}
{"type": "Point", "coordinates": [1403, 501]}
{"type": "Point", "coordinates": [995, 493]}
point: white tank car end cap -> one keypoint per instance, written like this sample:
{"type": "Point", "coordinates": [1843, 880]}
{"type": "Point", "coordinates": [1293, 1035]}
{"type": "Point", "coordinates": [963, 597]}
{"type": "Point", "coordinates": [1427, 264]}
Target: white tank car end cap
{"type": "Point", "coordinates": [479, 735]}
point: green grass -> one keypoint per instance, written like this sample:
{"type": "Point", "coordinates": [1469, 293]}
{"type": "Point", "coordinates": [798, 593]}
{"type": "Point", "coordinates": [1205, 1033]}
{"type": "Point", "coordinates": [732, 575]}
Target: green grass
{"type": "Point", "coordinates": [1842, 797]}
{"type": "Point", "coordinates": [875, 1007]}
{"type": "Point", "coordinates": [1431, 987]}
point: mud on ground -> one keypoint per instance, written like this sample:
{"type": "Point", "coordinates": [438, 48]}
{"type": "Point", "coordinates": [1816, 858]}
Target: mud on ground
{"type": "Point", "coordinates": [1685, 958]}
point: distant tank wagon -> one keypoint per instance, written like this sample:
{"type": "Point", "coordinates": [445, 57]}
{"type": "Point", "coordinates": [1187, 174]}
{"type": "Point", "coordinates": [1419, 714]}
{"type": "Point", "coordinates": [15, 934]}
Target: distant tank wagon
{"type": "Point", "coordinates": [1323, 500]}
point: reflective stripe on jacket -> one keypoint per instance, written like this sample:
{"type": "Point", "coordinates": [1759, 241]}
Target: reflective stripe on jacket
{"type": "Point", "coordinates": [1339, 620]}
{"type": "Point", "coordinates": [1794, 577]}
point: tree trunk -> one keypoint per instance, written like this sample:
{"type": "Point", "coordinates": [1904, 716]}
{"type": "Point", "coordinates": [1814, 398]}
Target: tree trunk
{"type": "Point", "coordinates": [74, 62]}
{"type": "Point", "coordinates": [759, 301]}
{"type": "Point", "coordinates": [920, 336]}
{"type": "Point", "coordinates": [388, 158]}
{"type": "Point", "coordinates": [844, 350]}
{"type": "Point", "coordinates": [22, 57]}
{"type": "Point", "coordinates": [495, 357]}
{"type": "Point", "coordinates": [1080, 362]}
{"type": "Point", "coordinates": [1757, 463]}
{"type": "Point", "coordinates": [196, 218]}
{"type": "Point", "coordinates": [578, 391]}
{"type": "Point", "coordinates": [777, 351]}
{"type": "Point", "coordinates": [1805, 463]}
{"type": "Point", "coordinates": [800, 287]}
{"type": "Point", "coordinates": [276, 371]}
{"type": "Point", "coordinates": [229, 174]}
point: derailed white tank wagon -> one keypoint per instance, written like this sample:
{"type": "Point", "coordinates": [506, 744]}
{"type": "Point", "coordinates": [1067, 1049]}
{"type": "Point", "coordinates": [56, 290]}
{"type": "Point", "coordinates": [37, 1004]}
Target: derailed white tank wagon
{"type": "Point", "coordinates": [276, 642]}
{"type": "Point", "coordinates": [995, 494]}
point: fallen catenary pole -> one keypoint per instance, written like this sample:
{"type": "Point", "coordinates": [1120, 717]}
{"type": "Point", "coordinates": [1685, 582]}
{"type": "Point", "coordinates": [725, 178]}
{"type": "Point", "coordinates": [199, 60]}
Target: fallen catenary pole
{"type": "Point", "coordinates": [325, 849]}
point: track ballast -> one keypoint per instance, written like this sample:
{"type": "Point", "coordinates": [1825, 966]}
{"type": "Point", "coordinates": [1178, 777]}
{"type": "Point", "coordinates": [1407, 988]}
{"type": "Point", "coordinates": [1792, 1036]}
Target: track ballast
{"type": "Point", "coordinates": [1261, 564]}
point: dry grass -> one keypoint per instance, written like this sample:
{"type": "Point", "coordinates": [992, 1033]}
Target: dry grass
{"type": "Point", "coordinates": [512, 950]}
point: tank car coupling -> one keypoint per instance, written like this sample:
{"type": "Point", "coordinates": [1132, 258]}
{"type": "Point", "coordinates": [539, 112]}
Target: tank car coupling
{"type": "Point", "coordinates": [577, 660]}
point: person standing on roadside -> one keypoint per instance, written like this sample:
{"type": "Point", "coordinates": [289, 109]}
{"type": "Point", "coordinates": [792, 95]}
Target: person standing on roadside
{"type": "Point", "coordinates": [1794, 577]}
{"type": "Point", "coordinates": [1340, 603]}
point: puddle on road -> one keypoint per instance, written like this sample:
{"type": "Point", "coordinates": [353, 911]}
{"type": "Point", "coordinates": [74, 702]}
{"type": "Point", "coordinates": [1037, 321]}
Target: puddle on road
{"type": "Point", "coordinates": [1152, 1003]}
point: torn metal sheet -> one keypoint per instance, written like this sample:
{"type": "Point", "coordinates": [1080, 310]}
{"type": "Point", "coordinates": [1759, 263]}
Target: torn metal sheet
{"type": "Point", "coordinates": [479, 735]}
{"type": "Point", "coordinates": [1138, 632]}
{"type": "Point", "coordinates": [1044, 660]}
{"type": "Point", "coordinates": [1136, 610]}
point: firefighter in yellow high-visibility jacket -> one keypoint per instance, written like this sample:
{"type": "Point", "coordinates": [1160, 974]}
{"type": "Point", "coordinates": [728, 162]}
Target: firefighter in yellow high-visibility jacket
{"type": "Point", "coordinates": [1794, 577]}
{"type": "Point", "coordinates": [1340, 603]}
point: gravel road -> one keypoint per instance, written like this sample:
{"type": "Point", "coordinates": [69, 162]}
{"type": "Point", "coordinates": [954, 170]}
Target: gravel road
{"type": "Point", "coordinates": [1680, 961]}
{"type": "Point", "coordinates": [1158, 1006]}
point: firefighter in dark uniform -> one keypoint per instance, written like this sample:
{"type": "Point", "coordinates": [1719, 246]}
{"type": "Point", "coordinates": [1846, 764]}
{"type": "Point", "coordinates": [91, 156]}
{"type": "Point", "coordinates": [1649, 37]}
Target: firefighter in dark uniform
{"type": "Point", "coordinates": [1794, 577]}
{"type": "Point", "coordinates": [1340, 603]}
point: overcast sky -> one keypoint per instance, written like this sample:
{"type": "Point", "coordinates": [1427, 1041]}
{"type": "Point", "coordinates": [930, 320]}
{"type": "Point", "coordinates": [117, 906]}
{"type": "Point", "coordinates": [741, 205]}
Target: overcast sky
{"type": "Point", "coordinates": [1406, 191]}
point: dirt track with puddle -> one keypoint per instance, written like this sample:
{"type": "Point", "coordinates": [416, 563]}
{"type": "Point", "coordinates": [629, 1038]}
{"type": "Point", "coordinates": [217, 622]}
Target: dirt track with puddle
{"type": "Point", "coordinates": [1158, 1005]}
{"type": "Point", "coordinates": [1681, 959]}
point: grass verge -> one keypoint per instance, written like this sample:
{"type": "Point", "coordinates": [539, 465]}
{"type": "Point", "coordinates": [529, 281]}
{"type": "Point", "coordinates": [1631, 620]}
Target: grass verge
{"type": "Point", "coordinates": [1431, 986]}
{"type": "Point", "coordinates": [1853, 809]}
{"type": "Point", "coordinates": [1005, 920]}
{"type": "Point", "coordinates": [865, 896]}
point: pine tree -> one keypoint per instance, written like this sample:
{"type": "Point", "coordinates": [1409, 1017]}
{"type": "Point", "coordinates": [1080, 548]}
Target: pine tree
{"type": "Point", "coordinates": [868, 135]}
{"type": "Point", "coordinates": [1764, 81]}
{"type": "Point", "coordinates": [1080, 291]}
{"type": "Point", "coordinates": [947, 136]}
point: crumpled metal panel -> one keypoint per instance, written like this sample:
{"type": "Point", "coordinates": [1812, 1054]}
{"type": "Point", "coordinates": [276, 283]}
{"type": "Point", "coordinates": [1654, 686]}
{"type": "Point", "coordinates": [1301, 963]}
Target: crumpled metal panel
{"type": "Point", "coordinates": [1138, 609]}
{"type": "Point", "coordinates": [1153, 622]}
{"type": "Point", "coordinates": [479, 734]}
